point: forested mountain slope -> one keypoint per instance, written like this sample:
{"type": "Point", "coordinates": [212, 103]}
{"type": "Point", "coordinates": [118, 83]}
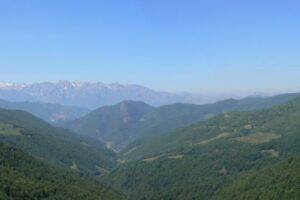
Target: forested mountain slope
{"type": "Point", "coordinates": [281, 181]}
{"type": "Point", "coordinates": [115, 125]}
{"type": "Point", "coordinates": [23, 177]}
{"type": "Point", "coordinates": [197, 161]}
{"type": "Point", "coordinates": [128, 121]}
{"type": "Point", "coordinates": [60, 146]}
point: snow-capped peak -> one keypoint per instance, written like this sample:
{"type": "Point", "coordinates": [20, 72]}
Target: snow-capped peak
{"type": "Point", "coordinates": [9, 85]}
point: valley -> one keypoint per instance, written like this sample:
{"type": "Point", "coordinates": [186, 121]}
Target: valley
{"type": "Point", "coordinates": [123, 124]}
{"type": "Point", "coordinates": [149, 100]}
{"type": "Point", "coordinates": [195, 158]}
{"type": "Point", "coordinates": [210, 155]}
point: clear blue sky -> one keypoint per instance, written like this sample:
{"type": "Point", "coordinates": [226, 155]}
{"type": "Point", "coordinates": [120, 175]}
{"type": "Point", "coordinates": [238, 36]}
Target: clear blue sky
{"type": "Point", "coordinates": [176, 45]}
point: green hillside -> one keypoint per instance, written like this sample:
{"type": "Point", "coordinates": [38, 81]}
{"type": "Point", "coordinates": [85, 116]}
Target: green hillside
{"type": "Point", "coordinates": [115, 125]}
{"type": "Point", "coordinates": [52, 113]}
{"type": "Point", "coordinates": [60, 146]}
{"type": "Point", "coordinates": [24, 178]}
{"type": "Point", "coordinates": [200, 160]}
{"type": "Point", "coordinates": [125, 123]}
{"type": "Point", "coordinates": [281, 181]}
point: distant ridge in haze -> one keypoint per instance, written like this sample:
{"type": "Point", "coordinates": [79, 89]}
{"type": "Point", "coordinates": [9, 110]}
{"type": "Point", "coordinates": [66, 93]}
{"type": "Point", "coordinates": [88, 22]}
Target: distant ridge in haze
{"type": "Point", "coordinates": [94, 95]}
{"type": "Point", "coordinates": [52, 113]}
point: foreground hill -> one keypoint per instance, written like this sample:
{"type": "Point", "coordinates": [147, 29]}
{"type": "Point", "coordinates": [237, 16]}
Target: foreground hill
{"type": "Point", "coordinates": [281, 181]}
{"type": "Point", "coordinates": [52, 113]}
{"type": "Point", "coordinates": [197, 161]}
{"type": "Point", "coordinates": [60, 146]}
{"type": "Point", "coordinates": [123, 123]}
{"type": "Point", "coordinates": [23, 177]}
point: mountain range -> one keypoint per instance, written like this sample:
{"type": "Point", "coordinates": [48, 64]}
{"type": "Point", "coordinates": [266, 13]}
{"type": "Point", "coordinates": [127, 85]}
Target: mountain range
{"type": "Point", "coordinates": [126, 122]}
{"type": "Point", "coordinates": [94, 95]}
{"type": "Point", "coordinates": [230, 156]}
{"type": "Point", "coordinates": [231, 149]}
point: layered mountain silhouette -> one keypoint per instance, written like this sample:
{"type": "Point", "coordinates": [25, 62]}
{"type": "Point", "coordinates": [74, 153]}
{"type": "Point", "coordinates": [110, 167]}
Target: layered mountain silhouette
{"type": "Point", "coordinates": [93, 95]}
{"type": "Point", "coordinates": [126, 122]}
{"type": "Point", "coordinates": [236, 155]}
{"type": "Point", "coordinates": [231, 149]}
{"type": "Point", "coordinates": [52, 113]}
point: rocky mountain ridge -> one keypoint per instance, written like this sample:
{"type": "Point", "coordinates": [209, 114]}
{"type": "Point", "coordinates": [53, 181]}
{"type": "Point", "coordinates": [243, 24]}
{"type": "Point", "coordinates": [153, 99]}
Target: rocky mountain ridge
{"type": "Point", "coordinates": [93, 95]}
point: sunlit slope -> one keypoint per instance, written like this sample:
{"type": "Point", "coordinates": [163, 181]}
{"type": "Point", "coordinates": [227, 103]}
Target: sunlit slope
{"type": "Point", "coordinates": [115, 125]}
{"type": "Point", "coordinates": [281, 181]}
{"type": "Point", "coordinates": [197, 161]}
{"type": "Point", "coordinates": [23, 177]}
{"type": "Point", "coordinates": [125, 123]}
{"type": "Point", "coordinates": [60, 146]}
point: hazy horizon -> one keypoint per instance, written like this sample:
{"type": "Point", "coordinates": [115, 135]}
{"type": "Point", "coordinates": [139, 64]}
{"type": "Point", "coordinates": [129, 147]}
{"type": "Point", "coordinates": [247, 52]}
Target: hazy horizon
{"type": "Point", "coordinates": [150, 99]}
{"type": "Point", "coordinates": [226, 94]}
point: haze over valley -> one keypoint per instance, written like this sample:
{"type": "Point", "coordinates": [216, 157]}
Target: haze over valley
{"type": "Point", "coordinates": [149, 100]}
{"type": "Point", "coordinates": [93, 95]}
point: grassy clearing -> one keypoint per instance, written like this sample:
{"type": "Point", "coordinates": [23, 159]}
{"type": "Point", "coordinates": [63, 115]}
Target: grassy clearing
{"type": "Point", "coordinates": [9, 130]}
{"type": "Point", "coordinates": [130, 151]}
{"type": "Point", "coordinates": [167, 155]}
{"type": "Point", "coordinates": [248, 126]}
{"type": "Point", "coordinates": [102, 170]}
{"type": "Point", "coordinates": [258, 138]}
{"type": "Point", "coordinates": [84, 144]}
{"type": "Point", "coordinates": [109, 145]}
{"type": "Point", "coordinates": [270, 152]}
{"type": "Point", "coordinates": [121, 161]}
{"type": "Point", "coordinates": [176, 157]}
{"type": "Point", "coordinates": [151, 159]}
{"type": "Point", "coordinates": [74, 166]}
{"type": "Point", "coordinates": [222, 135]}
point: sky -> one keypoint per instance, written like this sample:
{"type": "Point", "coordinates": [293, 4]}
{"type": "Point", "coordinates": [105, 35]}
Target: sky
{"type": "Point", "coordinates": [172, 45]}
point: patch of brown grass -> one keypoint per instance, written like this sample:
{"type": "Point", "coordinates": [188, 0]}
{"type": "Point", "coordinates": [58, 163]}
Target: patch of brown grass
{"type": "Point", "coordinates": [258, 138]}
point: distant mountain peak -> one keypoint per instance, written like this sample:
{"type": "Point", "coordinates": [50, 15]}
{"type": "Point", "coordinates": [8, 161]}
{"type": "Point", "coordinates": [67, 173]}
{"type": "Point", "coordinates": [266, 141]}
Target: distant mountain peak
{"type": "Point", "coordinates": [94, 94]}
{"type": "Point", "coordinates": [133, 102]}
{"type": "Point", "coordinates": [67, 84]}
{"type": "Point", "coordinates": [11, 85]}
